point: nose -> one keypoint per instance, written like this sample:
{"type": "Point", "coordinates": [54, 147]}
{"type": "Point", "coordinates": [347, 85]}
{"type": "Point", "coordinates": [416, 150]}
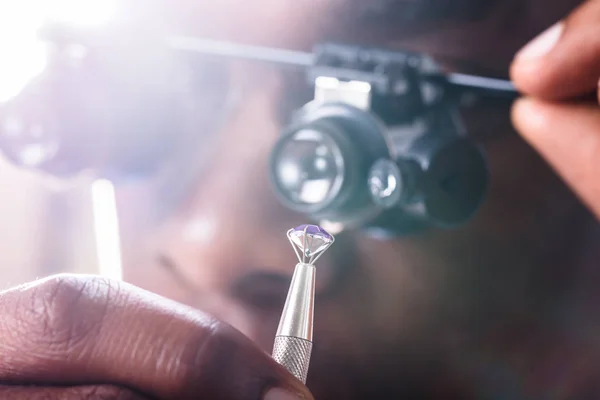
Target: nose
{"type": "Point", "coordinates": [231, 225]}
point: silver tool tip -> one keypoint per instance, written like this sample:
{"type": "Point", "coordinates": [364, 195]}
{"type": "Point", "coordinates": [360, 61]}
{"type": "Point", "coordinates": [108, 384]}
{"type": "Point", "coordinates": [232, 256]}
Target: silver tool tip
{"type": "Point", "coordinates": [293, 343]}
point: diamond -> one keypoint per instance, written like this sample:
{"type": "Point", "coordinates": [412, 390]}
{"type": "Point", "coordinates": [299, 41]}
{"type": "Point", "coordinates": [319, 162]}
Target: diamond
{"type": "Point", "coordinates": [310, 240]}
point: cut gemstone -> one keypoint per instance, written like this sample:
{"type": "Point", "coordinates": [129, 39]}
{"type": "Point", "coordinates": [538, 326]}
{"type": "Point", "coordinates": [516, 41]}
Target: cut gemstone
{"type": "Point", "coordinates": [317, 239]}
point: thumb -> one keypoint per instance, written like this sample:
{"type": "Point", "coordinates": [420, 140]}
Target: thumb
{"type": "Point", "coordinates": [564, 61]}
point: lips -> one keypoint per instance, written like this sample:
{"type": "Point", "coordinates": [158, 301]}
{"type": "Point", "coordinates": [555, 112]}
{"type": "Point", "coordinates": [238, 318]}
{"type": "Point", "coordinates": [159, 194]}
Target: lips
{"type": "Point", "coordinates": [262, 290]}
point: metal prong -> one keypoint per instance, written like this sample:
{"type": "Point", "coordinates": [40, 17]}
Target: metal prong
{"type": "Point", "coordinates": [310, 255]}
{"type": "Point", "coordinates": [305, 245]}
{"type": "Point", "coordinates": [322, 251]}
{"type": "Point", "coordinates": [293, 245]}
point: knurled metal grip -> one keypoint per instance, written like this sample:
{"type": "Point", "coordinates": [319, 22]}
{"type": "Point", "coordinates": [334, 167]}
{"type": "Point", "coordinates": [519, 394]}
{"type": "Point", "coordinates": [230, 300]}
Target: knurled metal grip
{"type": "Point", "coordinates": [294, 354]}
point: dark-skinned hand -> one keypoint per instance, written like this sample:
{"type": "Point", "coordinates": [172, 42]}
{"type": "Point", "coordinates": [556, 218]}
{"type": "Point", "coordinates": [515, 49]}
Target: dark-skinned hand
{"type": "Point", "coordinates": [560, 114]}
{"type": "Point", "coordinates": [84, 337]}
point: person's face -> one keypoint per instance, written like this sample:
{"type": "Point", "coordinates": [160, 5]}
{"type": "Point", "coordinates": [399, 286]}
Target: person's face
{"type": "Point", "coordinates": [441, 306]}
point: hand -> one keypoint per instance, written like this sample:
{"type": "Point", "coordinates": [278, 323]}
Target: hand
{"type": "Point", "coordinates": [557, 72]}
{"type": "Point", "coordinates": [70, 337]}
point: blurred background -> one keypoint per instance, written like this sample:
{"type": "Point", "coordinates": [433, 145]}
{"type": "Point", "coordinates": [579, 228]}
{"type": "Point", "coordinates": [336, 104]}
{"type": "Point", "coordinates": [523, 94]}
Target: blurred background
{"type": "Point", "coordinates": [47, 226]}
{"type": "Point", "coordinates": [44, 229]}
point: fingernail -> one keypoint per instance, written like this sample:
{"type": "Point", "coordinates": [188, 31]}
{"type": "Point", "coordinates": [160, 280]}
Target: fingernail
{"type": "Point", "coordinates": [542, 44]}
{"type": "Point", "coordinates": [280, 394]}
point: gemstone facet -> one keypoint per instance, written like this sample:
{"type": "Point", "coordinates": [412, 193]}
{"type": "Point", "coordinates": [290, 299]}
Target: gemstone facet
{"type": "Point", "coordinates": [310, 239]}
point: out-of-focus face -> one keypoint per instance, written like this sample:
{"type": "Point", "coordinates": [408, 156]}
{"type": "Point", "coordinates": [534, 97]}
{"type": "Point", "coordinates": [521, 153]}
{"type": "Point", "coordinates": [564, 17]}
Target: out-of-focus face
{"type": "Point", "coordinates": [461, 313]}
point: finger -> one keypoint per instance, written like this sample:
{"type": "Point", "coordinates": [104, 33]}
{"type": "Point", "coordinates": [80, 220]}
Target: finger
{"type": "Point", "coordinates": [568, 137]}
{"type": "Point", "coordinates": [564, 61]}
{"type": "Point", "coordinates": [71, 330]}
{"type": "Point", "coordinates": [100, 392]}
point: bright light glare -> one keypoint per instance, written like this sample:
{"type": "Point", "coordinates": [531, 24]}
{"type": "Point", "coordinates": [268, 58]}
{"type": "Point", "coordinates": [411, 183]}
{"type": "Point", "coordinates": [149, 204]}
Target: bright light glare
{"type": "Point", "coordinates": [315, 191]}
{"type": "Point", "coordinates": [290, 174]}
{"type": "Point", "coordinates": [106, 228]}
{"type": "Point", "coordinates": [22, 54]}
{"type": "Point", "coordinates": [87, 13]}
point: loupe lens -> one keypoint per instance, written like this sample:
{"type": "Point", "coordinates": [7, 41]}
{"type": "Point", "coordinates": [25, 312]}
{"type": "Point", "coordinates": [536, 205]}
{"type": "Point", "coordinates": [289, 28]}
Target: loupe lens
{"type": "Point", "coordinates": [385, 183]}
{"type": "Point", "coordinates": [308, 168]}
{"type": "Point", "coordinates": [320, 165]}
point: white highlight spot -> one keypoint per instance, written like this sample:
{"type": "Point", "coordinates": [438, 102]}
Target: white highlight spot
{"type": "Point", "coordinates": [106, 228]}
{"type": "Point", "coordinates": [199, 230]}
{"type": "Point", "coordinates": [23, 55]}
